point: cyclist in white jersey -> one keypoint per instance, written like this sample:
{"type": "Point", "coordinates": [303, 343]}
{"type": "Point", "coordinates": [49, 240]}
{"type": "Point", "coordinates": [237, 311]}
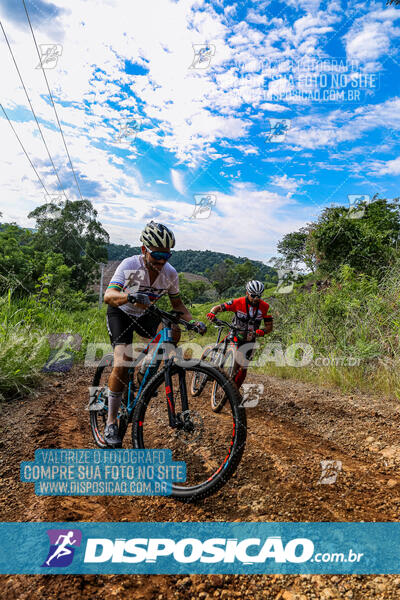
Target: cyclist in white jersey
{"type": "Point", "coordinates": [138, 282]}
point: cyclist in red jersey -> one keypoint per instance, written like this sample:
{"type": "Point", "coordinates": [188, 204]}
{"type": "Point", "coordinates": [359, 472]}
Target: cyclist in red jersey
{"type": "Point", "coordinates": [249, 311]}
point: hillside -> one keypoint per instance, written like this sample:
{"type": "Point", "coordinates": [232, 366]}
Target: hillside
{"type": "Point", "coordinates": [113, 264]}
{"type": "Point", "coordinates": [192, 261]}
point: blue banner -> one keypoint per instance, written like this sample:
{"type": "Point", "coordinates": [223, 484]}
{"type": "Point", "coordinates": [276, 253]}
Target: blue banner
{"type": "Point", "coordinates": [242, 548]}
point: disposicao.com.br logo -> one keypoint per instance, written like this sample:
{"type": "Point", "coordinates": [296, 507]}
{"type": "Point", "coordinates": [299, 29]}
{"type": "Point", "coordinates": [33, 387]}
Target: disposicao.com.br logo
{"type": "Point", "coordinates": [212, 550]}
{"type": "Point", "coordinates": [62, 547]}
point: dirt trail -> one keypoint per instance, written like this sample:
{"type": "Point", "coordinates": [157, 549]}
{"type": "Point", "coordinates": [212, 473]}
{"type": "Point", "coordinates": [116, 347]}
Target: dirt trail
{"type": "Point", "coordinates": [293, 428]}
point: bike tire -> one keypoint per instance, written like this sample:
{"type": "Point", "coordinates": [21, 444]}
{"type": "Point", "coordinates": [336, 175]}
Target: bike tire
{"type": "Point", "coordinates": [218, 396]}
{"type": "Point", "coordinates": [199, 380]}
{"type": "Point", "coordinates": [98, 416]}
{"type": "Point", "coordinates": [223, 437]}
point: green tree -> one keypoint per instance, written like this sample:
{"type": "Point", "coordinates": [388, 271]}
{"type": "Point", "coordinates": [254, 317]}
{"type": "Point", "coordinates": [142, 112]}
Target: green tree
{"type": "Point", "coordinates": [72, 229]}
{"type": "Point", "coordinates": [367, 243]}
{"type": "Point", "coordinates": [296, 248]}
{"type": "Point", "coordinates": [20, 263]}
{"type": "Point", "coordinates": [222, 275]}
{"type": "Point", "coordinates": [244, 272]}
{"type": "Point", "coordinates": [185, 290]}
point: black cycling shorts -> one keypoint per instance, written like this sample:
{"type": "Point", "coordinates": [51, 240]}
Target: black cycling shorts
{"type": "Point", "coordinates": [121, 326]}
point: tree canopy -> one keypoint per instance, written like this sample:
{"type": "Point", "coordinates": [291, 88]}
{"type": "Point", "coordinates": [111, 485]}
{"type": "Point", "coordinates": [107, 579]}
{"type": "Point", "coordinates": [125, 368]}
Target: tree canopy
{"type": "Point", "coordinates": [72, 229]}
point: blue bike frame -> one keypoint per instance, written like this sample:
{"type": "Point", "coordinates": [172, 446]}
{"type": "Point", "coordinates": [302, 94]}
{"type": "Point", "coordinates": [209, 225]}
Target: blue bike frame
{"type": "Point", "coordinates": [165, 335]}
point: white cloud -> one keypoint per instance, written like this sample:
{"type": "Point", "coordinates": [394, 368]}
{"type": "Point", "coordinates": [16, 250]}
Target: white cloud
{"type": "Point", "coordinates": [247, 149]}
{"type": "Point", "coordinates": [291, 184]}
{"type": "Point", "coordinates": [177, 178]}
{"type": "Point", "coordinates": [273, 107]}
{"type": "Point", "coordinates": [391, 167]}
{"type": "Point", "coordinates": [255, 17]}
{"type": "Point", "coordinates": [370, 36]}
{"type": "Point", "coordinates": [339, 126]}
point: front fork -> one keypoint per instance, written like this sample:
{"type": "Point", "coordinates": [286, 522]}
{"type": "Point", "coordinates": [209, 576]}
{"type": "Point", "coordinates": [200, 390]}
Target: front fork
{"type": "Point", "coordinates": [175, 419]}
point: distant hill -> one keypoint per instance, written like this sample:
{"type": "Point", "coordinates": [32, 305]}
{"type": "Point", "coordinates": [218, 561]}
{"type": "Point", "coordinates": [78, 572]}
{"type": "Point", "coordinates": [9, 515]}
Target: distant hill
{"type": "Point", "coordinates": [195, 277]}
{"type": "Point", "coordinates": [191, 261]}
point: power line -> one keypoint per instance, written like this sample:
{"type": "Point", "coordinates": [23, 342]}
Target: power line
{"type": "Point", "coordinates": [52, 101]}
{"type": "Point", "coordinates": [59, 125]}
{"type": "Point", "coordinates": [40, 179]}
{"type": "Point", "coordinates": [23, 148]}
{"type": "Point", "coordinates": [33, 112]}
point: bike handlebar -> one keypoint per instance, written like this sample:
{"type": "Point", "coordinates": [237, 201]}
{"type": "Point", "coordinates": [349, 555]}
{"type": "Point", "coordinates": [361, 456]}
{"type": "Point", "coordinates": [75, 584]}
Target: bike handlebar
{"type": "Point", "coordinates": [172, 317]}
{"type": "Point", "coordinates": [218, 323]}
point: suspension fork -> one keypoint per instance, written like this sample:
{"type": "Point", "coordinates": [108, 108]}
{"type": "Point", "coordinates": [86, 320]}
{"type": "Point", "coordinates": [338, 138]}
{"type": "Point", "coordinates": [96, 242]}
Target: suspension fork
{"type": "Point", "coordinates": [169, 394]}
{"type": "Point", "coordinates": [174, 421]}
{"type": "Point", "coordinates": [183, 391]}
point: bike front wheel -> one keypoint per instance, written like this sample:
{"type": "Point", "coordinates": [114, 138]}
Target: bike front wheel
{"type": "Point", "coordinates": [211, 445]}
{"type": "Point", "coordinates": [200, 380]}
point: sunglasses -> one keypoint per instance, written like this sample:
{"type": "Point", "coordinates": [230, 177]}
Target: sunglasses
{"type": "Point", "coordinates": [254, 295]}
{"type": "Point", "coordinates": [158, 255]}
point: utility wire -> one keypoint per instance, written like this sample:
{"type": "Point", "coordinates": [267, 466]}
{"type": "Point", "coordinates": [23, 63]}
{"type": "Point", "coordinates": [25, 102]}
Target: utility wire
{"type": "Point", "coordinates": [52, 101]}
{"type": "Point", "coordinates": [59, 125]}
{"type": "Point", "coordinates": [33, 112]}
{"type": "Point", "coordinates": [23, 148]}
{"type": "Point", "coordinates": [40, 179]}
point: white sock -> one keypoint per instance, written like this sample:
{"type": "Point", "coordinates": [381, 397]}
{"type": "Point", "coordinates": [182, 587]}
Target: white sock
{"type": "Point", "coordinates": [114, 402]}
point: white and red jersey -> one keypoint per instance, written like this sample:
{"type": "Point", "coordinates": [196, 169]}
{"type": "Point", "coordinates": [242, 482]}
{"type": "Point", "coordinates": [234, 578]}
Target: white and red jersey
{"type": "Point", "coordinates": [247, 317]}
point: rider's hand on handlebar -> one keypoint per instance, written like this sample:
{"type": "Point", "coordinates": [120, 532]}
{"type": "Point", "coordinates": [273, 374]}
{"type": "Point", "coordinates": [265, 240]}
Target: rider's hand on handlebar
{"type": "Point", "coordinates": [260, 332]}
{"type": "Point", "coordinates": [198, 326]}
{"type": "Point", "coordinates": [139, 298]}
{"type": "Point", "coordinates": [211, 316]}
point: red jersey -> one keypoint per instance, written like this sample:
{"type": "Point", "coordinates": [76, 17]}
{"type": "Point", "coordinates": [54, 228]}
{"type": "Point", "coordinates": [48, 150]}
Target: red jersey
{"type": "Point", "coordinates": [247, 317]}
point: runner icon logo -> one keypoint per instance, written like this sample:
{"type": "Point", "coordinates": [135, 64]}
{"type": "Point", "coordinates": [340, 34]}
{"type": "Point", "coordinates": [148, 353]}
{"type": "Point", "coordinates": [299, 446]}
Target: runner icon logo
{"type": "Point", "coordinates": [252, 392]}
{"type": "Point", "coordinates": [60, 552]}
{"type": "Point", "coordinates": [330, 470]}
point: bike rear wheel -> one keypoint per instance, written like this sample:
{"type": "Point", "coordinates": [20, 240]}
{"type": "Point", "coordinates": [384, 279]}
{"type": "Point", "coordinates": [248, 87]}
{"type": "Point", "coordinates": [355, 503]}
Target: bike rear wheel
{"type": "Point", "coordinates": [211, 445]}
{"type": "Point", "coordinates": [218, 394]}
{"type": "Point", "coordinates": [98, 403]}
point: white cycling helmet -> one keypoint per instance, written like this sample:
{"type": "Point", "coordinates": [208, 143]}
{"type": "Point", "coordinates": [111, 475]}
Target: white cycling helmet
{"type": "Point", "coordinates": [157, 235]}
{"type": "Point", "coordinates": [255, 287]}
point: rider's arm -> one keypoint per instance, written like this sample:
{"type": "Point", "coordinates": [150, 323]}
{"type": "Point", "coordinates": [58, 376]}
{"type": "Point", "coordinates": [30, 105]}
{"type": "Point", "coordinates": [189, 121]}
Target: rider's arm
{"type": "Point", "coordinates": [115, 297]}
{"type": "Point", "coordinates": [268, 323]}
{"type": "Point", "coordinates": [117, 293]}
{"type": "Point", "coordinates": [177, 304]}
{"type": "Point", "coordinates": [216, 309]}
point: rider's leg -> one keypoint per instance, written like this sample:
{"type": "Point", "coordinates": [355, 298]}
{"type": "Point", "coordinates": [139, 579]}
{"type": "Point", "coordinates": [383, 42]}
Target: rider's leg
{"type": "Point", "coordinates": [245, 357]}
{"type": "Point", "coordinates": [240, 376]}
{"type": "Point", "coordinates": [117, 380]}
{"type": "Point", "coordinates": [176, 333]}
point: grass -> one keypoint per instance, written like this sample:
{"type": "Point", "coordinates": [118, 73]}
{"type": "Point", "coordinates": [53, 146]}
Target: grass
{"type": "Point", "coordinates": [24, 346]}
{"type": "Point", "coordinates": [356, 317]}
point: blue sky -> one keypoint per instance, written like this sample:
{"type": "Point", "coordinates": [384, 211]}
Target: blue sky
{"type": "Point", "coordinates": [272, 110]}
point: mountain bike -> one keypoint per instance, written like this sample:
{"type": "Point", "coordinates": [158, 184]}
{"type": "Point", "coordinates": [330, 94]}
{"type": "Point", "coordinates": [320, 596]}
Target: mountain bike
{"type": "Point", "coordinates": [223, 355]}
{"type": "Point", "coordinates": [165, 415]}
